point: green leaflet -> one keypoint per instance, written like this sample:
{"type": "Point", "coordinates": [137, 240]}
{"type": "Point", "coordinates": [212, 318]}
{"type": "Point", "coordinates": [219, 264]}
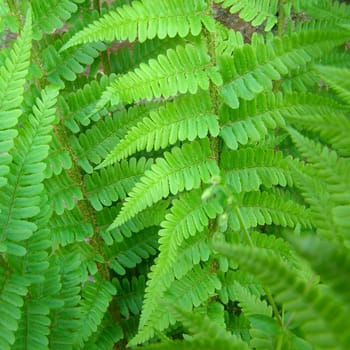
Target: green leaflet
{"type": "Point", "coordinates": [182, 169]}
{"type": "Point", "coordinates": [185, 118]}
{"type": "Point", "coordinates": [146, 20]}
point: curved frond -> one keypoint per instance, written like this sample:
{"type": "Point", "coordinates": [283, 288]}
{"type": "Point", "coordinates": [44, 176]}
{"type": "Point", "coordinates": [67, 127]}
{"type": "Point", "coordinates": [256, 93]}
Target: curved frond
{"type": "Point", "coordinates": [131, 251]}
{"type": "Point", "coordinates": [147, 20]}
{"type": "Point", "coordinates": [110, 184]}
{"type": "Point", "coordinates": [338, 79]}
{"type": "Point", "coordinates": [254, 11]}
{"type": "Point", "coordinates": [64, 193]}
{"type": "Point", "coordinates": [185, 118]}
{"type": "Point", "coordinates": [264, 208]}
{"type": "Point", "coordinates": [328, 166]}
{"type": "Point", "coordinates": [130, 295]}
{"type": "Point", "coordinates": [185, 69]}
{"type": "Point", "coordinates": [193, 289]}
{"type": "Point", "coordinates": [189, 216]}
{"type": "Point", "coordinates": [20, 199]}
{"type": "Point", "coordinates": [248, 169]}
{"type": "Point", "coordinates": [96, 296]}
{"type": "Point", "coordinates": [12, 80]}
{"type": "Point", "coordinates": [252, 69]}
{"type": "Point", "coordinates": [311, 305]}
{"type": "Point", "coordinates": [96, 143]}
{"type": "Point", "coordinates": [184, 168]}
{"type": "Point", "coordinates": [51, 14]}
{"type": "Point", "coordinates": [12, 292]}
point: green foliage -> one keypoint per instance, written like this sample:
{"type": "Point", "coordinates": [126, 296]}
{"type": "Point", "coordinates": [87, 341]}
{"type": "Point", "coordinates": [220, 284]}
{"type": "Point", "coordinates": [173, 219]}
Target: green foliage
{"type": "Point", "coordinates": [169, 183]}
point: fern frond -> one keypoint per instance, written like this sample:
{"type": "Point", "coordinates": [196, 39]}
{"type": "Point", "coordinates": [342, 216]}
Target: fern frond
{"type": "Point", "coordinates": [110, 184]}
{"type": "Point", "coordinates": [97, 142]}
{"type": "Point", "coordinates": [70, 227]}
{"type": "Point", "coordinates": [12, 292]}
{"type": "Point", "coordinates": [252, 121]}
{"type": "Point", "coordinates": [60, 66]}
{"type": "Point", "coordinates": [64, 194]}
{"type": "Point", "coordinates": [65, 321]}
{"type": "Point", "coordinates": [151, 216]}
{"type": "Point", "coordinates": [254, 11]}
{"type": "Point", "coordinates": [128, 58]}
{"type": "Point", "coordinates": [206, 334]}
{"type": "Point", "coordinates": [338, 79]}
{"type": "Point", "coordinates": [185, 69]}
{"type": "Point", "coordinates": [77, 107]}
{"type": "Point", "coordinates": [182, 169]}
{"type": "Point", "coordinates": [250, 303]}
{"type": "Point", "coordinates": [193, 289]}
{"type": "Point", "coordinates": [131, 251]}
{"type": "Point", "coordinates": [247, 169]}
{"type": "Point", "coordinates": [264, 208]}
{"type": "Point", "coordinates": [96, 296]}
{"type": "Point", "coordinates": [189, 216]}
{"type": "Point", "coordinates": [147, 20]}
{"type": "Point", "coordinates": [20, 200]}
{"type": "Point", "coordinates": [326, 9]}
{"type": "Point", "coordinates": [52, 14]}
{"type": "Point", "coordinates": [106, 337]}
{"type": "Point", "coordinates": [330, 259]}
{"type": "Point", "coordinates": [310, 304]}
{"type": "Point", "coordinates": [130, 295]}
{"type": "Point", "coordinates": [12, 80]}
{"type": "Point", "coordinates": [58, 160]}
{"type": "Point", "coordinates": [185, 118]}
{"type": "Point", "coordinates": [253, 68]}
{"type": "Point", "coordinates": [331, 169]}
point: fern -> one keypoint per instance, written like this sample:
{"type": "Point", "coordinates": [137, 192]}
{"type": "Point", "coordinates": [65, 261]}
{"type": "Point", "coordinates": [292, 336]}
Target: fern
{"type": "Point", "coordinates": [174, 174]}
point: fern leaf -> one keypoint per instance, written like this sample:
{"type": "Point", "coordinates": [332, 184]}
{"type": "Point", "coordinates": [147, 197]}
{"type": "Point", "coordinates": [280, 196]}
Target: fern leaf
{"type": "Point", "coordinates": [334, 171]}
{"type": "Point", "coordinates": [96, 297]}
{"type": "Point", "coordinates": [147, 20]}
{"type": "Point", "coordinates": [206, 334]}
{"type": "Point", "coordinates": [12, 80]}
{"type": "Point", "coordinates": [52, 14]}
{"type": "Point", "coordinates": [186, 69]}
{"type": "Point", "coordinates": [65, 321]}
{"type": "Point", "coordinates": [188, 217]}
{"type": "Point", "coordinates": [130, 295]}
{"type": "Point", "coordinates": [254, 11]}
{"type": "Point", "coordinates": [66, 65]}
{"type": "Point", "coordinates": [12, 292]}
{"type": "Point", "coordinates": [311, 305]}
{"type": "Point", "coordinates": [77, 106]}
{"type": "Point", "coordinates": [70, 227]}
{"type": "Point", "coordinates": [193, 289]}
{"type": "Point", "coordinates": [132, 251]}
{"type": "Point", "coordinates": [151, 216]}
{"type": "Point", "coordinates": [330, 259]}
{"type": "Point", "coordinates": [185, 118]}
{"type": "Point", "coordinates": [253, 68]}
{"type": "Point", "coordinates": [64, 194]}
{"type": "Point", "coordinates": [250, 303]}
{"type": "Point", "coordinates": [113, 183]}
{"type": "Point", "coordinates": [264, 208]}
{"type": "Point", "coordinates": [337, 79]}
{"type": "Point", "coordinates": [97, 142]}
{"type": "Point", "coordinates": [252, 121]}
{"type": "Point", "coordinates": [20, 200]}
{"type": "Point", "coordinates": [182, 169]}
{"type": "Point", "coordinates": [247, 169]}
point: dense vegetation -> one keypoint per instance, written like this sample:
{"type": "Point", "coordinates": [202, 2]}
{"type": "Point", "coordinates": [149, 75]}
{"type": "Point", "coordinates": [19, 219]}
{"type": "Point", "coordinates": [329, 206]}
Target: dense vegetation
{"type": "Point", "coordinates": [170, 183]}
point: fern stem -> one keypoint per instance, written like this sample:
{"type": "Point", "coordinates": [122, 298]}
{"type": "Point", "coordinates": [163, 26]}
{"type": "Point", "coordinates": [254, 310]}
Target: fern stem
{"type": "Point", "coordinates": [84, 206]}
{"type": "Point", "coordinates": [281, 18]}
{"type": "Point", "coordinates": [274, 306]}
{"type": "Point", "coordinates": [244, 229]}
